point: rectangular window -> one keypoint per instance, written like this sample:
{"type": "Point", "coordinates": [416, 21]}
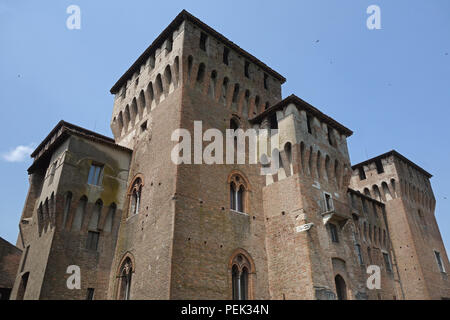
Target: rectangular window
{"type": "Point", "coordinates": [308, 123]}
{"type": "Point", "coordinates": [334, 233]}
{"type": "Point", "coordinates": [247, 69]}
{"type": "Point", "coordinates": [362, 174]}
{"type": "Point", "coordinates": [379, 165]}
{"type": "Point", "coordinates": [266, 77]}
{"type": "Point", "coordinates": [387, 262]}
{"type": "Point", "coordinates": [90, 294]}
{"type": "Point", "coordinates": [203, 38]}
{"type": "Point", "coordinates": [358, 252]}
{"type": "Point", "coordinates": [226, 54]}
{"type": "Point", "coordinates": [439, 261]}
{"type": "Point", "coordinates": [92, 240]}
{"type": "Point", "coordinates": [95, 174]}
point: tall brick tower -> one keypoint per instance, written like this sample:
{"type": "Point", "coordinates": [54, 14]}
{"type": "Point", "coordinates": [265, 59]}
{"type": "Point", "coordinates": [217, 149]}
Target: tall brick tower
{"type": "Point", "coordinates": [314, 239]}
{"type": "Point", "coordinates": [186, 232]}
{"type": "Point", "coordinates": [405, 189]}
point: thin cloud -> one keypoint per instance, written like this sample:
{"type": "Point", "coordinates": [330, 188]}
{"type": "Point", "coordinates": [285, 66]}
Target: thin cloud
{"type": "Point", "coordinates": [18, 154]}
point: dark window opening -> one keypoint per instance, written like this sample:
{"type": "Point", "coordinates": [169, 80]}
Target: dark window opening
{"type": "Point", "coordinates": [341, 288]}
{"type": "Point", "coordinates": [379, 165]}
{"type": "Point", "coordinates": [144, 126]}
{"type": "Point", "coordinates": [246, 69]}
{"type": "Point", "coordinates": [334, 233]}
{"type": "Point", "coordinates": [203, 38]}
{"type": "Point", "coordinates": [387, 262]}
{"type": "Point", "coordinates": [273, 121]}
{"type": "Point", "coordinates": [266, 77]}
{"type": "Point", "coordinates": [90, 294]}
{"type": "Point", "coordinates": [328, 202]}
{"type": "Point", "coordinates": [226, 54]}
{"type": "Point", "coordinates": [330, 136]}
{"type": "Point", "coordinates": [362, 174]}
{"type": "Point", "coordinates": [308, 123]}
{"type": "Point", "coordinates": [439, 261]}
{"type": "Point", "coordinates": [92, 240]}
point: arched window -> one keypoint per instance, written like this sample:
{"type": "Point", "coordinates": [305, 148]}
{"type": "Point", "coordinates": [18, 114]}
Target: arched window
{"type": "Point", "coordinates": [201, 73]}
{"type": "Point", "coordinates": [150, 94]}
{"type": "Point", "coordinates": [238, 193]}
{"type": "Point", "coordinates": [288, 154]}
{"type": "Point", "coordinates": [341, 288]}
{"type": "Point", "coordinates": [110, 218]}
{"type": "Point", "coordinates": [224, 90]}
{"type": "Point", "coordinates": [246, 105]}
{"type": "Point", "coordinates": [212, 85]}
{"type": "Point", "coordinates": [235, 96]}
{"type": "Point", "coordinates": [257, 102]}
{"type": "Point", "coordinates": [79, 214]}
{"type": "Point", "coordinates": [190, 63]}
{"type": "Point", "coordinates": [168, 75]}
{"type": "Point", "coordinates": [93, 223]}
{"type": "Point", "coordinates": [387, 192]}
{"type": "Point", "coordinates": [125, 279]}
{"type": "Point", "coordinates": [318, 166]}
{"type": "Point", "coordinates": [240, 272]}
{"type": "Point", "coordinates": [377, 193]}
{"type": "Point", "coordinates": [135, 196]}
{"type": "Point", "coordinates": [141, 103]}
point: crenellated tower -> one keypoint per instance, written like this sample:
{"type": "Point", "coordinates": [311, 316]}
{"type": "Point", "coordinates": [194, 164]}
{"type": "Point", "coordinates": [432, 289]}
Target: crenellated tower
{"type": "Point", "coordinates": [406, 191]}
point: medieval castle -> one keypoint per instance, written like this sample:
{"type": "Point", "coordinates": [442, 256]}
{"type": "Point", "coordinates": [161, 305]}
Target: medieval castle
{"type": "Point", "coordinates": [139, 226]}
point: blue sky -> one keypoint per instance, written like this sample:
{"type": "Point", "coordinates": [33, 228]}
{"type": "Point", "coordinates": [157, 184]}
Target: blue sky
{"type": "Point", "coordinates": [390, 86]}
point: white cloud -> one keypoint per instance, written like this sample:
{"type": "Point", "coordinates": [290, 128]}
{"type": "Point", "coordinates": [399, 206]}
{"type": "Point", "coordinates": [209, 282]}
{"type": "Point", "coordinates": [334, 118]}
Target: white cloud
{"type": "Point", "coordinates": [18, 154]}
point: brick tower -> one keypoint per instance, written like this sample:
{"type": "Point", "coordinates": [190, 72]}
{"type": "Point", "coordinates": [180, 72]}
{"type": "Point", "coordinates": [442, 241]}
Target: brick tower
{"type": "Point", "coordinates": [405, 189]}
{"type": "Point", "coordinates": [185, 234]}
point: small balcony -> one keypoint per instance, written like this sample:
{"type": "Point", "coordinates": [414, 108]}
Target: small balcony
{"type": "Point", "coordinates": [334, 211]}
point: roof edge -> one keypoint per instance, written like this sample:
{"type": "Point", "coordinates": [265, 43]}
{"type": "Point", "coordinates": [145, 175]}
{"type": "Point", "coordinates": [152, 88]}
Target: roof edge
{"type": "Point", "coordinates": [185, 15]}
{"type": "Point", "coordinates": [398, 155]}
{"type": "Point", "coordinates": [309, 108]}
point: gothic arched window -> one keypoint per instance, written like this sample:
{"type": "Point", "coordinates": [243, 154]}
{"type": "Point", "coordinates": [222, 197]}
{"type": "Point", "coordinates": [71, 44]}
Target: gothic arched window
{"type": "Point", "coordinates": [241, 269]}
{"type": "Point", "coordinates": [135, 196]}
{"type": "Point", "coordinates": [238, 193]}
{"type": "Point", "coordinates": [125, 277]}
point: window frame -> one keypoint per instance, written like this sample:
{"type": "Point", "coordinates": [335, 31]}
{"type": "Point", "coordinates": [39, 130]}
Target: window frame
{"type": "Point", "coordinates": [333, 232]}
{"type": "Point", "coordinates": [98, 179]}
{"type": "Point", "coordinates": [439, 261]}
{"type": "Point", "coordinates": [387, 261]}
